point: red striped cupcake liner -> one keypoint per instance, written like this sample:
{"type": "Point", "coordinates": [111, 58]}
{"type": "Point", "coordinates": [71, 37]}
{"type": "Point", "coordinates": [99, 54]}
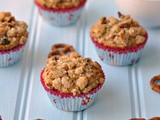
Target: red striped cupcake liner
{"type": "Point", "coordinates": [68, 101]}
{"type": "Point", "coordinates": [119, 56]}
{"type": "Point", "coordinates": [61, 17]}
{"type": "Point", "coordinates": [10, 57]}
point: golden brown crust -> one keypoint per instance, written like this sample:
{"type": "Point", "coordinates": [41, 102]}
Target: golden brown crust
{"type": "Point", "coordinates": [60, 49]}
{"type": "Point", "coordinates": [118, 33]}
{"type": "Point", "coordinates": [155, 87]}
{"type": "Point", "coordinates": [137, 119]}
{"type": "Point", "coordinates": [59, 4]}
{"type": "Point", "coordinates": [12, 32]}
{"type": "Point", "coordinates": [72, 74]}
{"type": "Point", "coordinates": [155, 118]}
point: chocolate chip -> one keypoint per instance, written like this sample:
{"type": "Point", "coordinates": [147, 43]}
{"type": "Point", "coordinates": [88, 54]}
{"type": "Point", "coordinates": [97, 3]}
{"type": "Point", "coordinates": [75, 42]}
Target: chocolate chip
{"type": "Point", "coordinates": [5, 42]}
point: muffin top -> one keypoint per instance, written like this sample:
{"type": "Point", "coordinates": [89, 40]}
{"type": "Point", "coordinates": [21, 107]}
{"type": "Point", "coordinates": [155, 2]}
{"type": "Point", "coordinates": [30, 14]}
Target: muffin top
{"type": "Point", "coordinates": [59, 4]}
{"type": "Point", "coordinates": [124, 32]}
{"type": "Point", "coordinates": [72, 74]}
{"type": "Point", "coordinates": [12, 32]}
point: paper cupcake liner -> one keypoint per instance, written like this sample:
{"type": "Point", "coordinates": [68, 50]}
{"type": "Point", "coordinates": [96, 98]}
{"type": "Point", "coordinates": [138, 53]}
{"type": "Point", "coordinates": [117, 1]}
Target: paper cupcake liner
{"type": "Point", "coordinates": [10, 57]}
{"type": "Point", "coordinates": [118, 56]}
{"type": "Point", "coordinates": [61, 17]}
{"type": "Point", "coordinates": [69, 102]}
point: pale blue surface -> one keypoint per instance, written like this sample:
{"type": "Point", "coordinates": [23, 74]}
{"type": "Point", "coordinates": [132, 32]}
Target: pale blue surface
{"type": "Point", "coordinates": [125, 94]}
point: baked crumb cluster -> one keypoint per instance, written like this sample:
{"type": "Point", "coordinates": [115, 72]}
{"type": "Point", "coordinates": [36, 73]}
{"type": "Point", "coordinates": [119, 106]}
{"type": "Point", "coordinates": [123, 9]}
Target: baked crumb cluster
{"type": "Point", "coordinates": [12, 32]}
{"type": "Point", "coordinates": [124, 32]}
{"type": "Point", "coordinates": [59, 4]}
{"type": "Point", "coordinates": [72, 74]}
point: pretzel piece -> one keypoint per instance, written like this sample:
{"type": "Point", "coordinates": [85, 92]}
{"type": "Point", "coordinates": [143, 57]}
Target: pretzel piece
{"type": "Point", "coordinates": [60, 50]}
{"type": "Point", "coordinates": [154, 86]}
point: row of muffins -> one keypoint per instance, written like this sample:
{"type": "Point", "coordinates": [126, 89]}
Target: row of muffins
{"type": "Point", "coordinates": [71, 81]}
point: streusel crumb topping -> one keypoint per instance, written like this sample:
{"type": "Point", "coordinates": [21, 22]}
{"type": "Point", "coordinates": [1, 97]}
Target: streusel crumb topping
{"type": "Point", "coordinates": [124, 32]}
{"type": "Point", "coordinates": [12, 32]}
{"type": "Point", "coordinates": [59, 4]}
{"type": "Point", "coordinates": [72, 74]}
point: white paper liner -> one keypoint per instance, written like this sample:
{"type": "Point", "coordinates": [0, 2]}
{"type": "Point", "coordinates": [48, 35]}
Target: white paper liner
{"type": "Point", "coordinates": [116, 59]}
{"type": "Point", "coordinates": [61, 17]}
{"type": "Point", "coordinates": [72, 104]}
{"type": "Point", "coordinates": [11, 57]}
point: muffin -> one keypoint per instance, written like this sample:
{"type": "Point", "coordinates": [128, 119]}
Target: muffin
{"type": "Point", "coordinates": [13, 37]}
{"type": "Point", "coordinates": [120, 41]}
{"type": "Point", "coordinates": [71, 81]}
{"type": "Point", "coordinates": [60, 12]}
